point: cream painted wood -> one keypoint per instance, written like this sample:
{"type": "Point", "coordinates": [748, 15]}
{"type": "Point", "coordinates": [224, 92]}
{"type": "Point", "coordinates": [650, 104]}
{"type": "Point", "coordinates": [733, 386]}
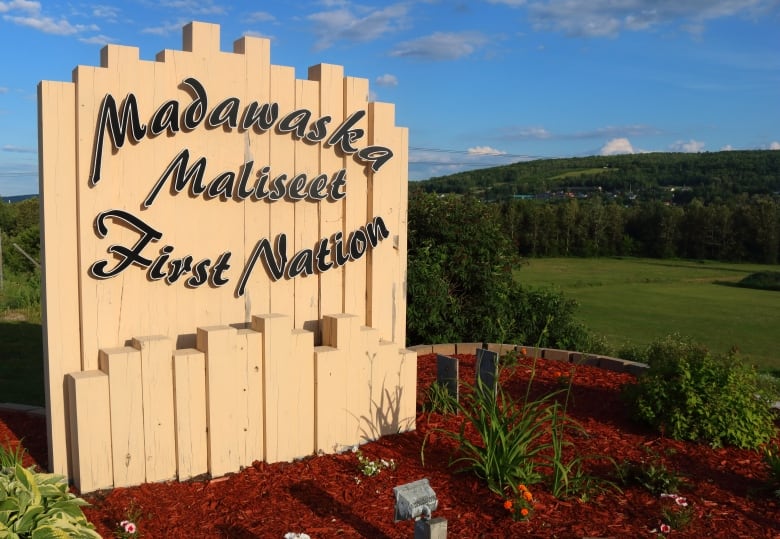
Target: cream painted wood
{"type": "Point", "coordinates": [307, 229]}
{"type": "Point", "coordinates": [189, 383]}
{"type": "Point", "coordinates": [222, 374]}
{"type": "Point", "coordinates": [159, 423]}
{"type": "Point", "coordinates": [331, 100]}
{"type": "Point", "coordinates": [123, 367]}
{"type": "Point", "coordinates": [384, 289]}
{"type": "Point", "coordinates": [249, 349]}
{"type": "Point", "coordinates": [84, 314]}
{"type": "Point", "coordinates": [288, 380]}
{"type": "Point", "coordinates": [335, 426]}
{"type": "Point", "coordinates": [90, 423]}
{"type": "Point", "coordinates": [61, 340]}
{"type": "Point", "coordinates": [356, 207]}
{"type": "Point", "coordinates": [283, 213]}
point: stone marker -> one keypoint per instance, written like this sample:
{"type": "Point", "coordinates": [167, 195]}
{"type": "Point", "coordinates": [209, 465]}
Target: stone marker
{"type": "Point", "coordinates": [413, 500]}
{"type": "Point", "coordinates": [447, 374]}
{"type": "Point", "coordinates": [486, 369]}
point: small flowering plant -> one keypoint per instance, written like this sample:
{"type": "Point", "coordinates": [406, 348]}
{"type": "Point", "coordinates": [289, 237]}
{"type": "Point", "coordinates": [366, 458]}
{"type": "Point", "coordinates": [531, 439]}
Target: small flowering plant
{"type": "Point", "coordinates": [128, 529]}
{"type": "Point", "coordinates": [370, 468]}
{"type": "Point", "coordinates": [520, 503]}
{"type": "Point", "coordinates": [676, 513]}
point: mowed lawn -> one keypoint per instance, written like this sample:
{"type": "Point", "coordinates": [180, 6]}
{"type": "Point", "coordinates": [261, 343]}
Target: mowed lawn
{"type": "Point", "coordinates": [634, 301]}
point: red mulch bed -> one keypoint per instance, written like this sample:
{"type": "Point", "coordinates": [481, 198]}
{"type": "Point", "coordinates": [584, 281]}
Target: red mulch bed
{"type": "Point", "coordinates": [321, 497]}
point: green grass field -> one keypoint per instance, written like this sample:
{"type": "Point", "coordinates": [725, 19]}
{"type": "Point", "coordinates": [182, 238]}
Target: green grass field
{"type": "Point", "coordinates": [635, 301]}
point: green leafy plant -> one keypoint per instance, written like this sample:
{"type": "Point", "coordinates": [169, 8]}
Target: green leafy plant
{"type": "Point", "coordinates": [653, 475]}
{"type": "Point", "coordinates": [690, 394]}
{"type": "Point", "coordinates": [11, 457]}
{"type": "Point", "coordinates": [676, 512]}
{"type": "Point", "coordinates": [38, 505]}
{"type": "Point", "coordinates": [439, 399]}
{"type": "Point", "coordinates": [772, 460]}
{"type": "Point", "coordinates": [371, 467]}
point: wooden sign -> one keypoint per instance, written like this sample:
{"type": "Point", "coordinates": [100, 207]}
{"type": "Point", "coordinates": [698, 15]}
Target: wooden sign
{"type": "Point", "coordinates": [219, 239]}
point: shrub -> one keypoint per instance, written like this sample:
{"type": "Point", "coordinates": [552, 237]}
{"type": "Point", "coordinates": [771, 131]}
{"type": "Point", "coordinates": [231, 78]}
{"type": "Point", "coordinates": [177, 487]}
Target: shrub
{"type": "Point", "coordinates": [690, 394]}
{"type": "Point", "coordinates": [38, 505]}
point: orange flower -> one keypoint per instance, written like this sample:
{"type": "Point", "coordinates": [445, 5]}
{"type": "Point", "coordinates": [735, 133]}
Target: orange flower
{"type": "Point", "coordinates": [524, 512]}
{"type": "Point", "coordinates": [522, 488]}
{"type": "Point", "coordinates": [557, 374]}
{"type": "Point", "coordinates": [523, 351]}
{"type": "Point", "coordinates": [527, 495]}
{"type": "Point", "coordinates": [508, 505]}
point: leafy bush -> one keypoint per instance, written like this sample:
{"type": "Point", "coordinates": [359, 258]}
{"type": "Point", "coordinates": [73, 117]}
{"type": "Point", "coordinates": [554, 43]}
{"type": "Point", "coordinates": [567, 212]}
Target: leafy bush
{"type": "Point", "coordinates": [690, 394]}
{"type": "Point", "coordinates": [461, 287]}
{"type": "Point", "coordinates": [762, 280]}
{"type": "Point", "coordinates": [38, 505]}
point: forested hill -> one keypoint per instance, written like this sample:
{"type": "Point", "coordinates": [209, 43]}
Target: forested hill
{"type": "Point", "coordinates": [706, 176]}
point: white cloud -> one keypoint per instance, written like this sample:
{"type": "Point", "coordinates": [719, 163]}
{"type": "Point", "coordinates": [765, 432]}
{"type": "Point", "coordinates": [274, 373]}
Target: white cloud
{"type": "Point", "coordinates": [109, 13]}
{"type": "Point", "coordinates": [21, 5]}
{"type": "Point", "coordinates": [727, 148]}
{"type": "Point", "coordinates": [98, 40]}
{"type": "Point", "coordinates": [525, 133]}
{"type": "Point", "coordinates": [617, 146]}
{"type": "Point", "coordinates": [484, 150]}
{"type": "Point", "coordinates": [343, 24]}
{"type": "Point", "coordinates": [691, 146]}
{"type": "Point", "coordinates": [441, 46]}
{"type": "Point", "coordinates": [18, 149]}
{"type": "Point", "coordinates": [607, 18]}
{"type": "Point", "coordinates": [774, 145]}
{"type": "Point", "coordinates": [387, 80]}
{"type": "Point", "coordinates": [47, 25]}
{"type": "Point", "coordinates": [261, 16]}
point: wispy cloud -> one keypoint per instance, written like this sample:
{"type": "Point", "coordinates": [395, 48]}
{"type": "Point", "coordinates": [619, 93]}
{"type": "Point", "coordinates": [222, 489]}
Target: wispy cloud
{"type": "Point", "coordinates": [355, 24]}
{"type": "Point", "coordinates": [29, 14]}
{"type": "Point", "coordinates": [441, 46]}
{"type": "Point", "coordinates": [200, 7]}
{"type": "Point", "coordinates": [386, 80]}
{"type": "Point", "coordinates": [607, 132]}
{"type": "Point", "coordinates": [608, 18]}
{"type": "Point", "coordinates": [18, 149]}
{"type": "Point", "coordinates": [484, 150]}
{"type": "Point", "coordinates": [260, 16]}
{"type": "Point", "coordinates": [690, 146]}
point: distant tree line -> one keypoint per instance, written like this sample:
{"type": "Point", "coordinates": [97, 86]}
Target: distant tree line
{"type": "Point", "coordinates": [709, 177]}
{"type": "Point", "coordinates": [743, 229]}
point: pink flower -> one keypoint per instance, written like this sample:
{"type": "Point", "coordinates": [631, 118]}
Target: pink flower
{"type": "Point", "coordinates": [665, 528]}
{"type": "Point", "coordinates": [128, 526]}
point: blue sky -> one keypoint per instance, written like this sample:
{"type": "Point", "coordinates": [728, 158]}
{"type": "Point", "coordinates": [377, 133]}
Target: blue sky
{"type": "Point", "coordinates": [478, 83]}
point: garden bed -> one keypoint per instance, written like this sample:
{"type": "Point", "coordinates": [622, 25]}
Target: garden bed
{"type": "Point", "coordinates": [328, 496]}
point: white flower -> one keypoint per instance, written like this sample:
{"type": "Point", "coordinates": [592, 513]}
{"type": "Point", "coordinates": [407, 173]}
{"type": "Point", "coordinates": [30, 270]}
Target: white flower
{"type": "Point", "coordinates": [291, 535]}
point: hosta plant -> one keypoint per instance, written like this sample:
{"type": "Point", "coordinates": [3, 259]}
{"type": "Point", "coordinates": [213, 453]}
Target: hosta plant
{"type": "Point", "coordinates": [38, 505]}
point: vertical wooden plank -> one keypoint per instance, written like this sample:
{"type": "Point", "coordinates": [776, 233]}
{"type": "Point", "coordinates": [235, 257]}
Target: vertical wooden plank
{"type": "Point", "coordinates": [249, 350]}
{"type": "Point", "coordinates": [123, 367]}
{"type": "Point", "coordinates": [356, 213]}
{"type": "Point", "coordinates": [307, 230]}
{"type": "Point", "coordinates": [363, 362]}
{"type": "Point", "coordinates": [303, 384]}
{"type": "Point", "coordinates": [408, 383]}
{"type": "Point", "coordinates": [189, 378]}
{"type": "Point", "coordinates": [334, 425]}
{"type": "Point", "coordinates": [59, 267]}
{"type": "Point", "coordinates": [331, 84]}
{"type": "Point", "coordinates": [385, 291]}
{"type": "Point", "coordinates": [256, 145]}
{"type": "Point", "coordinates": [282, 211]}
{"type": "Point", "coordinates": [288, 381]}
{"type": "Point", "coordinates": [90, 423]}
{"type": "Point", "coordinates": [218, 343]}
{"type": "Point", "coordinates": [159, 427]}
